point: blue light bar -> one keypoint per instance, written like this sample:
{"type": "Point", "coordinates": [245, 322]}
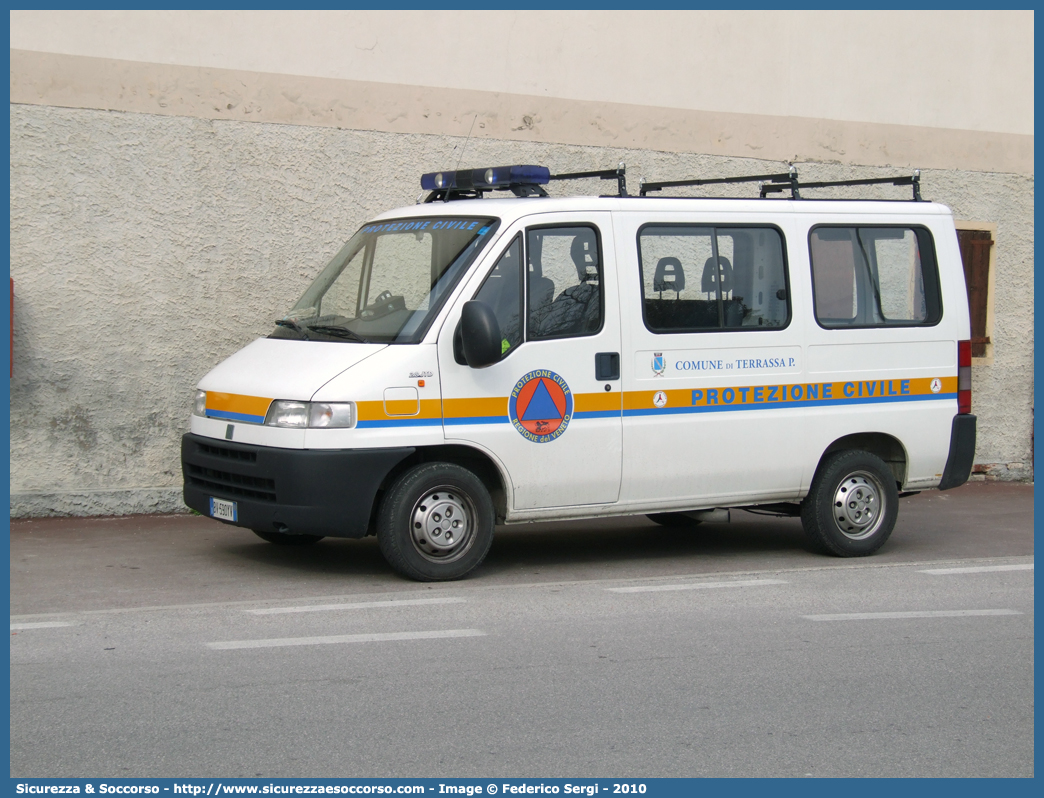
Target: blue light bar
{"type": "Point", "coordinates": [494, 177]}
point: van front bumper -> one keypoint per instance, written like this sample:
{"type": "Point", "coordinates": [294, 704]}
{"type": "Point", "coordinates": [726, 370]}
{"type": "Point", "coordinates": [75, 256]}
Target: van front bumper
{"type": "Point", "coordinates": [296, 491]}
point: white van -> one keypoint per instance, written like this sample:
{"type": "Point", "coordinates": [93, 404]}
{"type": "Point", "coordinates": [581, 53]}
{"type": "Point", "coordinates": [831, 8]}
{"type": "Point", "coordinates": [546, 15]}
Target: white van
{"type": "Point", "coordinates": [470, 361]}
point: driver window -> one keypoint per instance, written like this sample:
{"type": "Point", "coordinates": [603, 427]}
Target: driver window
{"type": "Point", "coordinates": [564, 282]}
{"type": "Point", "coordinates": [501, 292]}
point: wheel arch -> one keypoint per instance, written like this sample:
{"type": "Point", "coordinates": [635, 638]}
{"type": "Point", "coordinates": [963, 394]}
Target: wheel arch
{"type": "Point", "coordinates": [475, 460]}
{"type": "Point", "coordinates": [889, 448]}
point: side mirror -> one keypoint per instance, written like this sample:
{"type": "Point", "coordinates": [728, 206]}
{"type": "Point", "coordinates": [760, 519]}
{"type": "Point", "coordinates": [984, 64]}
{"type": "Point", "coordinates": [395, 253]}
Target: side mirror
{"type": "Point", "coordinates": [479, 334]}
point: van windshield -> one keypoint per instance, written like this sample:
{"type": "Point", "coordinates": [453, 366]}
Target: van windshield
{"type": "Point", "coordinates": [387, 283]}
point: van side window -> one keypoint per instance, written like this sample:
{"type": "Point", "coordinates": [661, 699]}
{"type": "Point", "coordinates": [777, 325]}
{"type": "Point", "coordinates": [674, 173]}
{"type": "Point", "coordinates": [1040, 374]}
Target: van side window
{"type": "Point", "coordinates": [502, 292]}
{"type": "Point", "coordinates": [874, 276]}
{"type": "Point", "coordinates": [698, 279]}
{"type": "Point", "coordinates": [564, 282]}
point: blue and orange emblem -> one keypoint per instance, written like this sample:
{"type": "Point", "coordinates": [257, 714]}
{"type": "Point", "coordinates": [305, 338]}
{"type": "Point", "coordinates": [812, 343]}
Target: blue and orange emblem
{"type": "Point", "coordinates": [540, 406]}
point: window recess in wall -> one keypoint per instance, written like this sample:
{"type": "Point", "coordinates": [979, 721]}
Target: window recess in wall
{"type": "Point", "coordinates": [977, 254]}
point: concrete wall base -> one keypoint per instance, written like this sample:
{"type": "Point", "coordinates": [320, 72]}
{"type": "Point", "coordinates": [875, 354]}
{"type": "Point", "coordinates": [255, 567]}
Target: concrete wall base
{"type": "Point", "coordinates": [1002, 472]}
{"type": "Point", "coordinates": [131, 501]}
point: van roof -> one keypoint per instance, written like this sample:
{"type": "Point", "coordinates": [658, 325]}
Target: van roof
{"type": "Point", "coordinates": [509, 209]}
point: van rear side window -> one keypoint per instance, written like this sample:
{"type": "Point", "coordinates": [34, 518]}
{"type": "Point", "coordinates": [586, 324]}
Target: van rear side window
{"type": "Point", "coordinates": [698, 279]}
{"type": "Point", "coordinates": [874, 277]}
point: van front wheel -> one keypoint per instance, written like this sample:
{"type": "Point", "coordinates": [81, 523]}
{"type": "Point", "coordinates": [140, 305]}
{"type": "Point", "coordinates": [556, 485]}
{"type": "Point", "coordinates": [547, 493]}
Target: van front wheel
{"type": "Point", "coordinates": [852, 505]}
{"type": "Point", "coordinates": [436, 522]}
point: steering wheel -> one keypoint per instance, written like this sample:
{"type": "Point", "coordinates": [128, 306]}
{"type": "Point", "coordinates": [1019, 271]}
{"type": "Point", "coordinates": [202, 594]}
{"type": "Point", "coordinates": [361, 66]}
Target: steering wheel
{"type": "Point", "coordinates": [385, 303]}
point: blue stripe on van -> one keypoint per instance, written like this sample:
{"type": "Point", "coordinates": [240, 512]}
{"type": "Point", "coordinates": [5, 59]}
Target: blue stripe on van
{"type": "Point", "coordinates": [235, 416]}
{"type": "Point", "coordinates": [400, 422]}
{"type": "Point", "coordinates": [452, 422]}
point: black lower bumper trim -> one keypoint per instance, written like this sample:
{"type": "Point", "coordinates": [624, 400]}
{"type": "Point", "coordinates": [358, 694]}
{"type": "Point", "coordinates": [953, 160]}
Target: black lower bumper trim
{"type": "Point", "coordinates": [299, 491]}
{"type": "Point", "coordinates": [962, 452]}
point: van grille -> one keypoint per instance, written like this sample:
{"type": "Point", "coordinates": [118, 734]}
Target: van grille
{"type": "Point", "coordinates": [228, 484]}
{"type": "Point", "coordinates": [231, 454]}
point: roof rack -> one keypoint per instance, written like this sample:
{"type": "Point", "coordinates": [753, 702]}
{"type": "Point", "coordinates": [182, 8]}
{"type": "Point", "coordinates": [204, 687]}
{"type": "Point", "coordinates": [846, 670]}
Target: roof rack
{"type": "Point", "coordinates": [522, 181]}
{"type": "Point", "coordinates": [619, 174]}
{"type": "Point", "coordinates": [528, 181]}
{"type": "Point", "coordinates": [772, 184]}
{"type": "Point", "coordinates": [794, 186]}
{"type": "Point", "coordinates": [647, 187]}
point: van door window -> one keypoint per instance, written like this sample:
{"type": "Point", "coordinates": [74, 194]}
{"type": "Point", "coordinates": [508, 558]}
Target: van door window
{"type": "Point", "coordinates": [502, 292]}
{"type": "Point", "coordinates": [874, 276]}
{"type": "Point", "coordinates": [564, 282]}
{"type": "Point", "coordinates": [712, 278]}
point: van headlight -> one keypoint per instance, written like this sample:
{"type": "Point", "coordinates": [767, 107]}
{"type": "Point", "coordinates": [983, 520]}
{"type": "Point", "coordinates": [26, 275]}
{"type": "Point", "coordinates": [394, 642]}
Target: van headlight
{"type": "Point", "coordinates": [199, 404]}
{"type": "Point", "coordinates": [322, 415]}
{"type": "Point", "coordinates": [331, 414]}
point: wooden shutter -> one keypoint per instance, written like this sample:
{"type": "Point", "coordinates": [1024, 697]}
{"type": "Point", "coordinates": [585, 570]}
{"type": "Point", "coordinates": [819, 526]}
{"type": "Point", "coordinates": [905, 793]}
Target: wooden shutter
{"type": "Point", "coordinates": [975, 253]}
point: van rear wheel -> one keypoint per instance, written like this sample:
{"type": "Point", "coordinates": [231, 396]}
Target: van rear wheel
{"type": "Point", "coordinates": [436, 523]}
{"type": "Point", "coordinates": [852, 505]}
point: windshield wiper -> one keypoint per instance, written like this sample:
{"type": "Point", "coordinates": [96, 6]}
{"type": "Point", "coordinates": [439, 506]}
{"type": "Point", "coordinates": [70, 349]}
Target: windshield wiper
{"type": "Point", "coordinates": [293, 325]}
{"type": "Point", "coordinates": [337, 332]}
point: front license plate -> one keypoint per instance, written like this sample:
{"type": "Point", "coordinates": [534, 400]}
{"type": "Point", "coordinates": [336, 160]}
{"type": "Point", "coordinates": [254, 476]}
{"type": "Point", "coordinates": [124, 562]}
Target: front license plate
{"type": "Point", "coordinates": [226, 511]}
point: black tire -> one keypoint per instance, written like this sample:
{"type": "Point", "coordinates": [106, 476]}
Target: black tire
{"type": "Point", "coordinates": [283, 539]}
{"type": "Point", "coordinates": [412, 523]}
{"type": "Point", "coordinates": [673, 520]}
{"type": "Point", "coordinates": [852, 505]}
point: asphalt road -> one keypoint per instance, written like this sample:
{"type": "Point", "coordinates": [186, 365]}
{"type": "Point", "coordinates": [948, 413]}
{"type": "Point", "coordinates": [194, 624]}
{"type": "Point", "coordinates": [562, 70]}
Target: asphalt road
{"type": "Point", "coordinates": [180, 647]}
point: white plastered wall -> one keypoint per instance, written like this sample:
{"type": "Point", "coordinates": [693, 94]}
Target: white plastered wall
{"type": "Point", "coordinates": [905, 68]}
{"type": "Point", "coordinates": [178, 178]}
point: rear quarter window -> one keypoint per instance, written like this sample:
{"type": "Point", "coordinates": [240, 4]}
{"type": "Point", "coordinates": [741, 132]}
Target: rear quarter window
{"type": "Point", "coordinates": [874, 276]}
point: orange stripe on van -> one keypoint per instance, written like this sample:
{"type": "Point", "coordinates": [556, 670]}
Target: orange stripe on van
{"type": "Point", "coordinates": [237, 403]}
{"type": "Point", "coordinates": [474, 408]}
{"type": "Point", "coordinates": [597, 402]}
{"type": "Point", "coordinates": [375, 411]}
